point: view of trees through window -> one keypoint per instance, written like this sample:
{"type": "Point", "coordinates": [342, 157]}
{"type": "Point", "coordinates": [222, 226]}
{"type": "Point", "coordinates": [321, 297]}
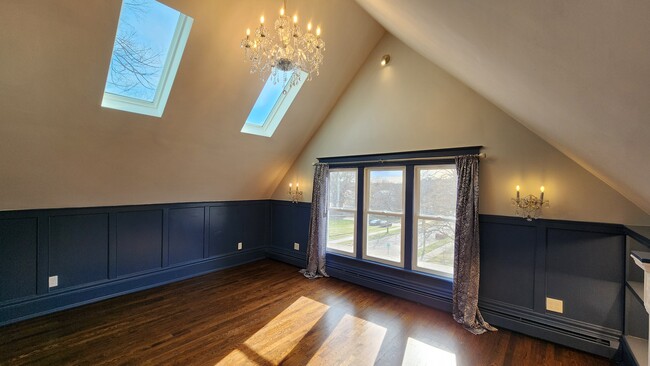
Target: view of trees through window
{"type": "Point", "coordinates": [342, 210]}
{"type": "Point", "coordinates": [435, 215]}
{"type": "Point", "coordinates": [385, 214]}
{"type": "Point", "coordinates": [144, 35]}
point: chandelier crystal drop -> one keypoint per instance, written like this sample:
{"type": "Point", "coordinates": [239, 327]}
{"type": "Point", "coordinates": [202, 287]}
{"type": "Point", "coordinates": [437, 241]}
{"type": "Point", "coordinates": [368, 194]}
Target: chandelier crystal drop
{"type": "Point", "coordinates": [284, 50]}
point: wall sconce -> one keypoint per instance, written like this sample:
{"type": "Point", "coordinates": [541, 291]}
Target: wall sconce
{"type": "Point", "coordinates": [530, 207]}
{"type": "Point", "coordinates": [295, 194]}
{"type": "Point", "coordinates": [385, 59]}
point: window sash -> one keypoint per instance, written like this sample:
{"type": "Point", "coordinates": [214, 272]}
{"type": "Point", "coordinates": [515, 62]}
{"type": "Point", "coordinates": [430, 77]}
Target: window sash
{"type": "Point", "coordinates": [367, 212]}
{"type": "Point", "coordinates": [442, 271]}
{"type": "Point", "coordinates": [352, 211]}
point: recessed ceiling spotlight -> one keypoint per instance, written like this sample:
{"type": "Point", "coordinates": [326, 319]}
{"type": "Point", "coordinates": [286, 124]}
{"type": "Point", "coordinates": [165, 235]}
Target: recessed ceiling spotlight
{"type": "Point", "coordinates": [385, 59]}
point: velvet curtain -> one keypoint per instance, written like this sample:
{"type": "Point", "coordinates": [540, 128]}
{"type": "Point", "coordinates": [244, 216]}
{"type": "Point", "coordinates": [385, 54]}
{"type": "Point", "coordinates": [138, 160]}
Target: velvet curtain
{"type": "Point", "coordinates": [316, 244]}
{"type": "Point", "coordinates": [466, 248]}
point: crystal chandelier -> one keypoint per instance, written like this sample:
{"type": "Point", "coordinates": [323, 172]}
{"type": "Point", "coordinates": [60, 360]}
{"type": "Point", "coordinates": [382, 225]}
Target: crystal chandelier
{"type": "Point", "coordinates": [284, 50]}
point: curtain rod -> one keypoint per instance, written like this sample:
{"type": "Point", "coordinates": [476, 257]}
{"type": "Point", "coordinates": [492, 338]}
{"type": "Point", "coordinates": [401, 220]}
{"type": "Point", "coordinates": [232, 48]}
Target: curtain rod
{"type": "Point", "coordinates": [481, 156]}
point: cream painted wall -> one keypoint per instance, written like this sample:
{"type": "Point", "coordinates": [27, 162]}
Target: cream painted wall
{"type": "Point", "coordinates": [414, 105]}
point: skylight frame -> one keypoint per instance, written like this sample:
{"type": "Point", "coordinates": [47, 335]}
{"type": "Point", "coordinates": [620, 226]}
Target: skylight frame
{"type": "Point", "coordinates": [279, 109]}
{"type": "Point", "coordinates": [156, 107]}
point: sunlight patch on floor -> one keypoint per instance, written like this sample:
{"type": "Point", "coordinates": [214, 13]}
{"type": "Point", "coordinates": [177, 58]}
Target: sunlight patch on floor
{"type": "Point", "coordinates": [354, 341]}
{"type": "Point", "coordinates": [421, 354]}
{"type": "Point", "coordinates": [274, 342]}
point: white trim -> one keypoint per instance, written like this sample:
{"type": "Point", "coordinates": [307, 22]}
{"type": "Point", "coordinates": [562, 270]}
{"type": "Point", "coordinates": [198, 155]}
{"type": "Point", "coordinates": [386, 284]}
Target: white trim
{"type": "Point", "coordinates": [279, 108]}
{"type": "Point", "coordinates": [367, 212]}
{"type": "Point", "coordinates": [157, 107]}
{"type": "Point", "coordinates": [352, 211]}
{"type": "Point", "coordinates": [416, 217]}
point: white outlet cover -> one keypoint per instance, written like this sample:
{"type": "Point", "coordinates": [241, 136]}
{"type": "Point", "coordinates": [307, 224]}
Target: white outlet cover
{"type": "Point", "coordinates": [296, 246]}
{"type": "Point", "coordinates": [53, 281]}
{"type": "Point", "coordinates": [240, 245]}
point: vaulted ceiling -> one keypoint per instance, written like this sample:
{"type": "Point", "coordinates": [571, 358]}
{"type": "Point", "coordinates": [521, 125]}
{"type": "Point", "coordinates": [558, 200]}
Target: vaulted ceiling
{"type": "Point", "coordinates": [577, 73]}
{"type": "Point", "coordinates": [60, 148]}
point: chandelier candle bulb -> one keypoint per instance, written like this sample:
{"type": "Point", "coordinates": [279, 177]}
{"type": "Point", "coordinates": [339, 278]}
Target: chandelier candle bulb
{"type": "Point", "coordinates": [318, 31]}
{"type": "Point", "coordinates": [262, 19]}
{"type": "Point", "coordinates": [295, 19]}
{"type": "Point", "coordinates": [517, 192]}
{"type": "Point", "coordinates": [281, 11]}
{"type": "Point", "coordinates": [541, 196]}
{"type": "Point", "coordinates": [309, 27]}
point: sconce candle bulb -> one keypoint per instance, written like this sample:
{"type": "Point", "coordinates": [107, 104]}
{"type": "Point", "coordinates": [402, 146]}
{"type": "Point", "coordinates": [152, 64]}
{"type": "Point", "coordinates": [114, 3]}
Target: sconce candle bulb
{"type": "Point", "coordinates": [295, 194]}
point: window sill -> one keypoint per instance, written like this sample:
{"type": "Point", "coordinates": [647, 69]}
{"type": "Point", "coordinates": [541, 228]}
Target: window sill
{"type": "Point", "coordinates": [388, 269]}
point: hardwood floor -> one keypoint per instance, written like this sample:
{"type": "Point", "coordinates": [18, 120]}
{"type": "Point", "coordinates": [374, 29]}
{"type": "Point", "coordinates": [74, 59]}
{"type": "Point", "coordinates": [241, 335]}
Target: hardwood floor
{"type": "Point", "coordinates": [266, 313]}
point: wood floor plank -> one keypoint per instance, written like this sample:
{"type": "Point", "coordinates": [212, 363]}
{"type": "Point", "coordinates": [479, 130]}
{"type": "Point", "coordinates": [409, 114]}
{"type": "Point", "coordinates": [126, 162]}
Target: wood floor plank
{"type": "Point", "coordinates": [266, 313]}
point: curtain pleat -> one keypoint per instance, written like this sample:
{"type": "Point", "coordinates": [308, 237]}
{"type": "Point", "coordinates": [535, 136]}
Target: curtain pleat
{"type": "Point", "coordinates": [467, 248]}
{"type": "Point", "coordinates": [316, 244]}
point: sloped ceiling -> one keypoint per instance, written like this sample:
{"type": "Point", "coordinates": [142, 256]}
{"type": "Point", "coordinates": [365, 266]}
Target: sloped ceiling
{"type": "Point", "coordinates": [577, 73]}
{"type": "Point", "coordinates": [60, 148]}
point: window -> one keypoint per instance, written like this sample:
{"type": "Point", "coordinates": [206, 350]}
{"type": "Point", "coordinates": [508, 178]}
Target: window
{"type": "Point", "coordinates": [396, 209]}
{"type": "Point", "coordinates": [434, 219]}
{"type": "Point", "coordinates": [342, 211]}
{"type": "Point", "coordinates": [273, 102]}
{"type": "Point", "coordinates": [384, 215]}
{"type": "Point", "coordinates": [148, 47]}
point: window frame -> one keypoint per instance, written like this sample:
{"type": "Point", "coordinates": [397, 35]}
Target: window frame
{"type": "Point", "coordinates": [280, 108]}
{"type": "Point", "coordinates": [416, 216]}
{"type": "Point", "coordinates": [156, 107]}
{"type": "Point", "coordinates": [353, 211]}
{"type": "Point", "coordinates": [367, 212]}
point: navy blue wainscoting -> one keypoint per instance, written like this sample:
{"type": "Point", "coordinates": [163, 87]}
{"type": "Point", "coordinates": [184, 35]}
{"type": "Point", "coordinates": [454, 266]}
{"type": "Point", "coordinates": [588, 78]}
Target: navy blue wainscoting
{"type": "Point", "coordinates": [102, 252]}
{"type": "Point", "coordinates": [290, 225]}
{"type": "Point", "coordinates": [18, 257]}
{"type": "Point", "coordinates": [522, 263]}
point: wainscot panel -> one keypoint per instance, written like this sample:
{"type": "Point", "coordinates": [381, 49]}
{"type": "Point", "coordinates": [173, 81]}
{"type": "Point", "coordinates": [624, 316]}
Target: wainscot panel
{"type": "Point", "coordinates": [186, 234]}
{"type": "Point", "coordinates": [591, 288]}
{"type": "Point", "coordinates": [290, 224]}
{"type": "Point", "coordinates": [102, 252]}
{"type": "Point", "coordinates": [139, 241]}
{"type": "Point", "coordinates": [522, 263]}
{"type": "Point", "coordinates": [18, 258]}
{"type": "Point", "coordinates": [78, 249]}
{"type": "Point", "coordinates": [508, 263]}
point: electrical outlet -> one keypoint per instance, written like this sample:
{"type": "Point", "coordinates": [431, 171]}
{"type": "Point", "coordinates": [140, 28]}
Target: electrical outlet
{"type": "Point", "coordinates": [296, 246]}
{"type": "Point", "coordinates": [554, 305]}
{"type": "Point", "coordinates": [53, 281]}
{"type": "Point", "coordinates": [240, 245]}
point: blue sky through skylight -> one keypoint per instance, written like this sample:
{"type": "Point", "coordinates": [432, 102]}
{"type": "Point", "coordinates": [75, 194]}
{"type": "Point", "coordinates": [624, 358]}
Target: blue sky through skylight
{"type": "Point", "coordinates": [268, 98]}
{"type": "Point", "coordinates": [144, 36]}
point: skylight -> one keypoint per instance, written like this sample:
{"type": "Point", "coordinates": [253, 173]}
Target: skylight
{"type": "Point", "coordinates": [148, 47]}
{"type": "Point", "coordinates": [273, 103]}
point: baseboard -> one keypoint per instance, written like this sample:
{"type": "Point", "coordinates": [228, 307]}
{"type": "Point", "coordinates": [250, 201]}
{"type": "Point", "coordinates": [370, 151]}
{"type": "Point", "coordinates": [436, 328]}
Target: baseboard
{"type": "Point", "coordinates": [295, 258]}
{"type": "Point", "coordinates": [46, 304]}
{"type": "Point", "coordinates": [603, 344]}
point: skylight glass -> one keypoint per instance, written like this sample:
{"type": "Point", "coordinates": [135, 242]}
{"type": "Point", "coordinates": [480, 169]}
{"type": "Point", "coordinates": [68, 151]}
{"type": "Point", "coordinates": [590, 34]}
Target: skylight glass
{"type": "Point", "coordinates": [272, 103]}
{"type": "Point", "coordinates": [148, 47]}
